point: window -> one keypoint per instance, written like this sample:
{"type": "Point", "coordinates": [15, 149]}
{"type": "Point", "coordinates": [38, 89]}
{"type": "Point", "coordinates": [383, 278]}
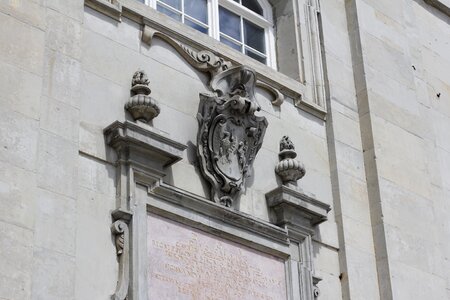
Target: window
{"type": "Point", "coordinates": [244, 25]}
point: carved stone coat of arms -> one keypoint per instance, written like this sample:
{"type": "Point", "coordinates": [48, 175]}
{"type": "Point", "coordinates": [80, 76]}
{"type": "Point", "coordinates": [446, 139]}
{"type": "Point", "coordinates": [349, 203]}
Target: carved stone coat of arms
{"type": "Point", "coordinates": [230, 134]}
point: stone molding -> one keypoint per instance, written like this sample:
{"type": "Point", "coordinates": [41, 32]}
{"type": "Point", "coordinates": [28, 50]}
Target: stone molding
{"type": "Point", "coordinates": [441, 5]}
{"type": "Point", "coordinates": [274, 82]}
{"type": "Point", "coordinates": [112, 9]}
{"type": "Point", "coordinates": [219, 213]}
{"type": "Point", "coordinates": [142, 154]}
{"type": "Point", "coordinates": [205, 61]}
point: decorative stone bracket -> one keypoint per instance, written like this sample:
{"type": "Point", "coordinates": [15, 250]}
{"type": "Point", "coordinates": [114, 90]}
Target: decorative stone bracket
{"type": "Point", "coordinates": [143, 154]}
{"type": "Point", "coordinates": [205, 61]}
{"type": "Point", "coordinates": [298, 213]}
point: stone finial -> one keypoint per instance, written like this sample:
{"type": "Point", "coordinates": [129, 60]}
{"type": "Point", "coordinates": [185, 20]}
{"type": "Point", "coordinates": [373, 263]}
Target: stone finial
{"type": "Point", "coordinates": [289, 169]}
{"type": "Point", "coordinates": [141, 106]}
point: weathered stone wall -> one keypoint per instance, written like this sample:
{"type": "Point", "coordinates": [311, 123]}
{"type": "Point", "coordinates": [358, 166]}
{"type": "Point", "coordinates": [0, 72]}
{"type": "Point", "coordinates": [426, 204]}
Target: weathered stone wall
{"type": "Point", "coordinates": [381, 159]}
{"type": "Point", "coordinates": [400, 58]}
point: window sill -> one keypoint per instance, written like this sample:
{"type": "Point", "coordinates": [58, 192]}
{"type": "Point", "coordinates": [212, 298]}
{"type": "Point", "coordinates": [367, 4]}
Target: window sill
{"type": "Point", "coordinates": [145, 15]}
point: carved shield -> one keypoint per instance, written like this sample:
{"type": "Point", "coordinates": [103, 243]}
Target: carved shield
{"type": "Point", "coordinates": [230, 134]}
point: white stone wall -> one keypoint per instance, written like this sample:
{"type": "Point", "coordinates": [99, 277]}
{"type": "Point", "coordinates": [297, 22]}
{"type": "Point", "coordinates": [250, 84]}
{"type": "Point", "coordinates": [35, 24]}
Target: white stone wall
{"type": "Point", "coordinates": [402, 82]}
{"type": "Point", "coordinates": [381, 159]}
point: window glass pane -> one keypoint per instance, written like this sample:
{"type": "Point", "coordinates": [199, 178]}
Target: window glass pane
{"type": "Point", "coordinates": [196, 26]}
{"type": "Point", "coordinates": [254, 36]}
{"type": "Point", "coordinates": [230, 43]}
{"type": "Point", "coordinates": [253, 5]}
{"type": "Point", "coordinates": [174, 3]}
{"type": "Point", "coordinates": [170, 13]}
{"type": "Point", "coordinates": [230, 23]}
{"type": "Point", "coordinates": [197, 9]}
{"type": "Point", "coordinates": [255, 56]}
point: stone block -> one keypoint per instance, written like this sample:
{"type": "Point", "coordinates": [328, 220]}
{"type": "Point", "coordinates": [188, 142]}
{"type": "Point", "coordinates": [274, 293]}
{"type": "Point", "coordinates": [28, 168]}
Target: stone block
{"type": "Point", "coordinates": [407, 211]}
{"type": "Point", "coordinates": [63, 34]}
{"type": "Point", "coordinates": [383, 26]}
{"type": "Point", "coordinates": [401, 157]}
{"type": "Point", "coordinates": [187, 177]}
{"type": "Point", "coordinates": [126, 33]}
{"type": "Point", "coordinates": [57, 164]}
{"type": "Point", "coordinates": [72, 9]}
{"type": "Point", "coordinates": [97, 176]}
{"type": "Point", "coordinates": [62, 78]}
{"type": "Point", "coordinates": [327, 232]}
{"type": "Point", "coordinates": [362, 274]}
{"type": "Point", "coordinates": [354, 199]}
{"type": "Point", "coordinates": [60, 119]}
{"type": "Point", "coordinates": [20, 90]}
{"type": "Point", "coordinates": [411, 283]}
{"type": "Point", "coordinates": [17, 195]}
{"type": "Point", "coordinates": [31, 12]}
{"type": "Point", "coordinates": [19, 142]}
{"type": "Point", "coordinates": [358, 235]}
{"type": "Point", "coordinates": [55, 223]}
{"type": "Point", "coordinates": [22, 45]}
{"type": "Point", "coordinates": [350, 160]}
{"type": "Point", "coordinates": [53, 275]}
{"type": "Point", "coordinates": [259, 205]}
{"type": "Point", "coordinates": [16, 253]}
{"type": "Point", "coordinates": [183, 130]}
{"type": "Point", "coordinates": [330, 287]}
{"type": "Point", "coordinates": [347, 130]}
{"type": "Point", "coordinates": [326, 260]}
{"type": "Point", "coordinates": [94, 280]}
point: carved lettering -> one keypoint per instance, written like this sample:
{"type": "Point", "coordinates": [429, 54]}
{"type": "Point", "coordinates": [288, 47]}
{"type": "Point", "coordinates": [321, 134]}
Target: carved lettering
{"type": "Point", "coordinates": [189, 264]}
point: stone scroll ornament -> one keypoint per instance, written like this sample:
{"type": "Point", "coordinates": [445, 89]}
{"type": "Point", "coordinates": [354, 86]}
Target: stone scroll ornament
{"type": "Point", "coordinates": [230, 134]}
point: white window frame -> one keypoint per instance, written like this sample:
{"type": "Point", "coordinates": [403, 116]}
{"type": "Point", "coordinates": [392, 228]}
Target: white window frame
{"type": "Point", "coordinates": [265, 22]}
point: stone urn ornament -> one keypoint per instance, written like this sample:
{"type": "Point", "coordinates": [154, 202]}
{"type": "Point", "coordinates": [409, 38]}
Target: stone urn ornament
{"type": "Point", "coordinates": [289, 169]}
{"type": "Point", "coordinates": [141, 106]}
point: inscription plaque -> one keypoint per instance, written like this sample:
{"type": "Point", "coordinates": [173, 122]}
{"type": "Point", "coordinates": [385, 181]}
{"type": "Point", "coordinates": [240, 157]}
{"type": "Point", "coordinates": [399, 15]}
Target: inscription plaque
{"type": "Point", "coordinates": [186, 263]}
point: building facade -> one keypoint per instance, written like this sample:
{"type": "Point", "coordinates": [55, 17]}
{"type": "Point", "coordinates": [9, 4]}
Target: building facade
{"type": "Point", "coordinates": [151, 151]}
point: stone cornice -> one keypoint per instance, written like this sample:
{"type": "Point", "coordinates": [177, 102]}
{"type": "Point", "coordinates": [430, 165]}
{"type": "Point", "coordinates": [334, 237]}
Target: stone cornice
{"type": "Point", "coordinates": [129, 134]}
{"type": "Point", "coordinates": [295, 209]}
{"type": "Point", "coordinates": [218, 212]}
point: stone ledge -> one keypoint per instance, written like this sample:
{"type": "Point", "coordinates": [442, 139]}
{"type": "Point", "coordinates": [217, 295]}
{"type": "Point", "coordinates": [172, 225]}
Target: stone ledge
{"type": "Point", "coordinates": [292, 207]}
{"type": "Point", "coordinates": [214, 213]}
{"type": "Point", "coordinates": [143, 138]}
{"type": "Point", "coordinates": [107, 8]}
{"type": "Point", "coordinates": [441, 5]}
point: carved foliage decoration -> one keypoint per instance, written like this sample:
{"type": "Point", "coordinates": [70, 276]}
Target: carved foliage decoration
{"type": "Point", "coordinates": [230, 134]}
{"type": "Point", "coordinates": [205, 61]}
{"type": "Point", "coordinates": [121, 233]}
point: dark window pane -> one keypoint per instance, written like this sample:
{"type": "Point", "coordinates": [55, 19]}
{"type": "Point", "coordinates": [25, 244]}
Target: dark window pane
{"type": "Point", "coordinates": [170, 13]}
{"type": "Point", "coordinates": [230, 23]}
{"type": "Point", "coordinates": [196, 26]}
{"type": "Point", "coordinates": [256, 56]}
{"type": "Point", "coordinates": [230, 43]}
{"type": "Point", "coordinates": [254, 36]}
{"type": "Point", "coordinates": [174, 3]}
{"type": "Point", "coordinates": [253, 5]}
{"type": "Point", "coordinates": [197, 9]}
